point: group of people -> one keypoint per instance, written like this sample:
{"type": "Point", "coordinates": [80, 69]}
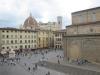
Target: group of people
{"type": "Point", "coordinates": [48, 73]}
{"type": "Point", "coordinates": [34, 68]}
{"type": "Point", "coordinates": [59, 57]}
{"type": "Point", "coordinates": [7, 61]}
{"type": "Point", "coordinates": [20, 55]}
{"type": "Point", "coordinates": [29, 55]}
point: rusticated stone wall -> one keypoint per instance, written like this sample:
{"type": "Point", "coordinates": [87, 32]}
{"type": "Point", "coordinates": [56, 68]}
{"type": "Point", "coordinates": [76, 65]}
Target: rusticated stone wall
{"type": "Point", "coordinates": [83, 29]}
{"type": "Point", "coordinates": [83, 46]}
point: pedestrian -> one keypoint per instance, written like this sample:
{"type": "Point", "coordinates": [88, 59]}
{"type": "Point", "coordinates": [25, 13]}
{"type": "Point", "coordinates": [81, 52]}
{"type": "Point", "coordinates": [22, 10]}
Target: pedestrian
{"type": "Point", "coordinates": [29, 68]}
{"type": "Point", "coordinates": [33, 68]}
{"type": "Point", "coordinates": [36, 66]}
{"type": "Point", "coordinates": [19, 59]}
{"type": "Point", "coordinates": [25, 54]}
{"type": "Point", "coordinates": [14, 64]}
{"type": "Point", "coordinates": [57, 56]}
{"type": "Point", "coordinates": [12, 60]}
{"type": "Point", "coordinates": [58, 61]}
{"type": "Point", "coordinates": [3, 59]}
{"type": "Point", "coordinates": [48, 73]}
{"type": "Point", "coordinates": [25, 64]}
{"type": "Point", "coordinates": [60, 57]}
{"type": "Point", "coordinates": [68, 59]}
{"type": "Point", "coordinates": [55, 49]}
{"type": "Point", "coordinates": [46, 52]}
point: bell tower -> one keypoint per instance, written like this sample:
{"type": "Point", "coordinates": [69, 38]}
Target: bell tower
{"type": "Point", "coordinates": [59, 21]}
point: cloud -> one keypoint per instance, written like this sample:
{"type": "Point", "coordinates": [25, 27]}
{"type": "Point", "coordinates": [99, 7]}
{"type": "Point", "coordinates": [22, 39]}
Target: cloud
{"type": "Point", "coordinates": [14, 12]}
{"type": "Point", "coordinates": [95, 3]}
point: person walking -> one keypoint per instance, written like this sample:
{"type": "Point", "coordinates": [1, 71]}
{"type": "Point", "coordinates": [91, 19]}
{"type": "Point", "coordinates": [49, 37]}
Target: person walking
{"type": "Point", "coordinates": [36, 66]}
{"type": "Point", "coordinates": [29, 68]}
{"type": "Point", "coordinates": [25, 64]}
{"type": "Point", "coordinates": [48, 73]}
{"type": "Point", "coordinates": [58, 61]}
{"type": "Point", "coordinates": [33, 68]}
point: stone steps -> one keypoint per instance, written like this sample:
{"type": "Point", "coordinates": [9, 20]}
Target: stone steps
{"type": "Point", "coordinates": [71, 70]}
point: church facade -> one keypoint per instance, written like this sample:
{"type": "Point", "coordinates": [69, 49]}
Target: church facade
{"type": "Point", "coordinates": [82, 40]}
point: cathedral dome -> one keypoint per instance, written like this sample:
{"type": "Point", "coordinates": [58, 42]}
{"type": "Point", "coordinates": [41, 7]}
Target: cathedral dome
{"type": "Point", "coordinates": [30, 22]}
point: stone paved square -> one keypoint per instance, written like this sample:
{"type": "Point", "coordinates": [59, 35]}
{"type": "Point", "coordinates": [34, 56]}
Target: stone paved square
{"type": "Point", "coordinates": [21, 68]}
{"type": "Point", "coordinates": [26, 65]}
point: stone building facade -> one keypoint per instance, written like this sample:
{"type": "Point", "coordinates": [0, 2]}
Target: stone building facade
{"type": "Point", "coordinates": [82, 38]}
{"type": "Point", "coordinates": [52, 26]}
{"type": "Point", "coordinates": [30, 35]}
{"type": "Point", "coordinates": [17, 39]}
{"type": "Point", "coordinates": [45, 31]}
{"type": "Point", "coordinates": [45, 39]}
{"type": "Point", "coordinates": [58, 39]}
{"type": "Point", "coordinates": [86, 16]}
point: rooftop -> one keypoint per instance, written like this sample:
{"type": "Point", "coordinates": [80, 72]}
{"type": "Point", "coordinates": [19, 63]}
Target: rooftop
{"type": "Point", "coordinates": [16, 29]}
{"type": "Point", "coordinates": [87, 10]}
{"type": "Point", "coordinates": [82, 24]}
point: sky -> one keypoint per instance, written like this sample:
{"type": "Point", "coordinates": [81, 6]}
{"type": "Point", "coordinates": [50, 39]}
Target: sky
{"type": "Point", "coordinates": [14, 12]}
